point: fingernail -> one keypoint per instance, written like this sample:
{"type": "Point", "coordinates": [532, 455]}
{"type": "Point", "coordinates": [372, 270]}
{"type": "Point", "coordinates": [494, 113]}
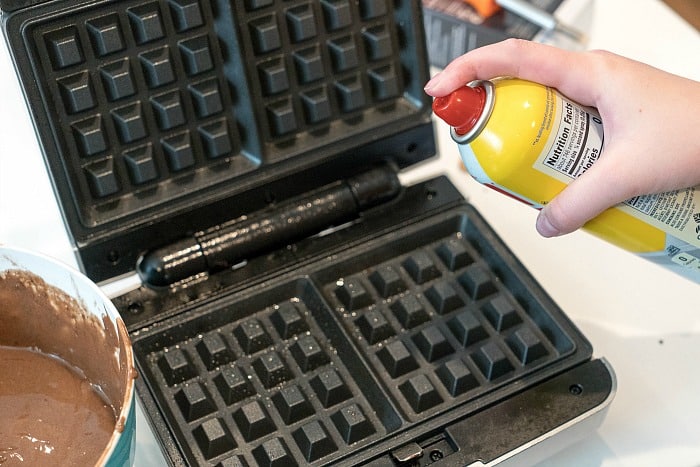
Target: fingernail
{"type": "Point", "coordinates": [545, 227]}
{"type": "Point", "coordinates": [432, 83]}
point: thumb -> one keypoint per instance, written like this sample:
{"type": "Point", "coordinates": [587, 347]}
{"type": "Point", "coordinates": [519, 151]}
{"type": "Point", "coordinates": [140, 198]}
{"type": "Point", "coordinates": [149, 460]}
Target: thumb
{"type": "Point", "coordinates": [600, 188]}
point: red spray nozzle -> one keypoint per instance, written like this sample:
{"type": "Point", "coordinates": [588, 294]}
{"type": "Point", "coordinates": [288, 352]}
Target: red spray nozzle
{"type": "Point", "coordinates": [462, 108]}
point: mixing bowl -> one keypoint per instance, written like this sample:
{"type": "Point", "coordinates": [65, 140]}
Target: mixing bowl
{"type": "Point", "coordinates": [55, 310]}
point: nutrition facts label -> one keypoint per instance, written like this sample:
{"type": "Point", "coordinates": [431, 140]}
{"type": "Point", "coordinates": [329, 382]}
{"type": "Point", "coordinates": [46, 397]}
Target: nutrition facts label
{"type": "Point", "coordinates": [575, 142]}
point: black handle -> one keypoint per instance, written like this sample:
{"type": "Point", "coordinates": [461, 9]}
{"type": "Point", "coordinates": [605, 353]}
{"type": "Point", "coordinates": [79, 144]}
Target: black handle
{"type": "Point", "coordinates": [223, 246]}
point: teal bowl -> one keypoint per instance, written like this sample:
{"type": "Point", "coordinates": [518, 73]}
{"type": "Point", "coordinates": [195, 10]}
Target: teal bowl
{"type": "Point", "coordinates": [111, 369]}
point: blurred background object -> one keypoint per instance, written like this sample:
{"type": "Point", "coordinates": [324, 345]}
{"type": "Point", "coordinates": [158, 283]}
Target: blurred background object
{"type": "Point", "coordinates": [689, 10]}
{"type": "Point", "coordinates": [454, 27]}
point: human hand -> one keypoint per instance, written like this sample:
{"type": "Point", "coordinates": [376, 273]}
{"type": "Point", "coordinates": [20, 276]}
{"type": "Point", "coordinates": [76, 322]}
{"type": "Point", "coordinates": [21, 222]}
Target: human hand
{"type": "Point", "coordinates": [652, 131]}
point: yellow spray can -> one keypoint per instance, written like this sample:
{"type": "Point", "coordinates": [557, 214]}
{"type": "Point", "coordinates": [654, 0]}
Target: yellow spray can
{"type": "Point", "coordinates": [528, 141]}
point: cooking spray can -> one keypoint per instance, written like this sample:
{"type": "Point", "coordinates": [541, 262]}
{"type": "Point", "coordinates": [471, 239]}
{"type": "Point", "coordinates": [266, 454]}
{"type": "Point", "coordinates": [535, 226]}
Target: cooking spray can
{"type": "Point", "coordinates": [528, 141]}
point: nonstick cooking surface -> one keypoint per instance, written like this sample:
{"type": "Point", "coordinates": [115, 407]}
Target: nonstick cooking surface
{"type": "Point", "coordinates": [327, 361]}
{"type": "Point", "coordinates": [151, 101]}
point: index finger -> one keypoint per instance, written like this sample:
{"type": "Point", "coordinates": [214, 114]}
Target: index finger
{"type": "Point", "coordinates": [568, 71]}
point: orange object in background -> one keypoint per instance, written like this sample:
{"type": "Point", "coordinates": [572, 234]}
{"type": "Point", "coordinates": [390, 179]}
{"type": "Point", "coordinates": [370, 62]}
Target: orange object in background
{"type": "Point", "coordinates": [485, 8]}
{"type": "Point", "coordinates": [529, 12]}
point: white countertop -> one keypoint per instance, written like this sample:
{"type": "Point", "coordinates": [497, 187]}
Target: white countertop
{"type": "Point", "coordinates": [643, 319]}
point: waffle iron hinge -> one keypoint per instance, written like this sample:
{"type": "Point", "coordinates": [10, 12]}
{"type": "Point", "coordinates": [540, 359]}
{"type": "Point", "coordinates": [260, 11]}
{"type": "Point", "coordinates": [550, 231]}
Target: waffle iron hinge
{"type": "Point", "coordinates": [225, 245]}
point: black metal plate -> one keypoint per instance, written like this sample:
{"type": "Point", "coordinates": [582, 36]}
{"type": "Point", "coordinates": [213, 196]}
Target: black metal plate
{"type": "Point", "coordinates": [148, 109]}
{"type": "Point", "coordinates": [413, 330]}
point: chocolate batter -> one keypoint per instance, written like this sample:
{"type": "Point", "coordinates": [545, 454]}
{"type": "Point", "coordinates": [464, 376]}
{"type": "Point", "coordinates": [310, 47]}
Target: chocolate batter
{"type": "Point", "coordinates": [53, 412]}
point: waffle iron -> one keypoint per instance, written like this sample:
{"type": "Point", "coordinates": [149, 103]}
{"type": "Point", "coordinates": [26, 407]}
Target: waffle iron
{"type": "Point", "coordinates": [297, 304]}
